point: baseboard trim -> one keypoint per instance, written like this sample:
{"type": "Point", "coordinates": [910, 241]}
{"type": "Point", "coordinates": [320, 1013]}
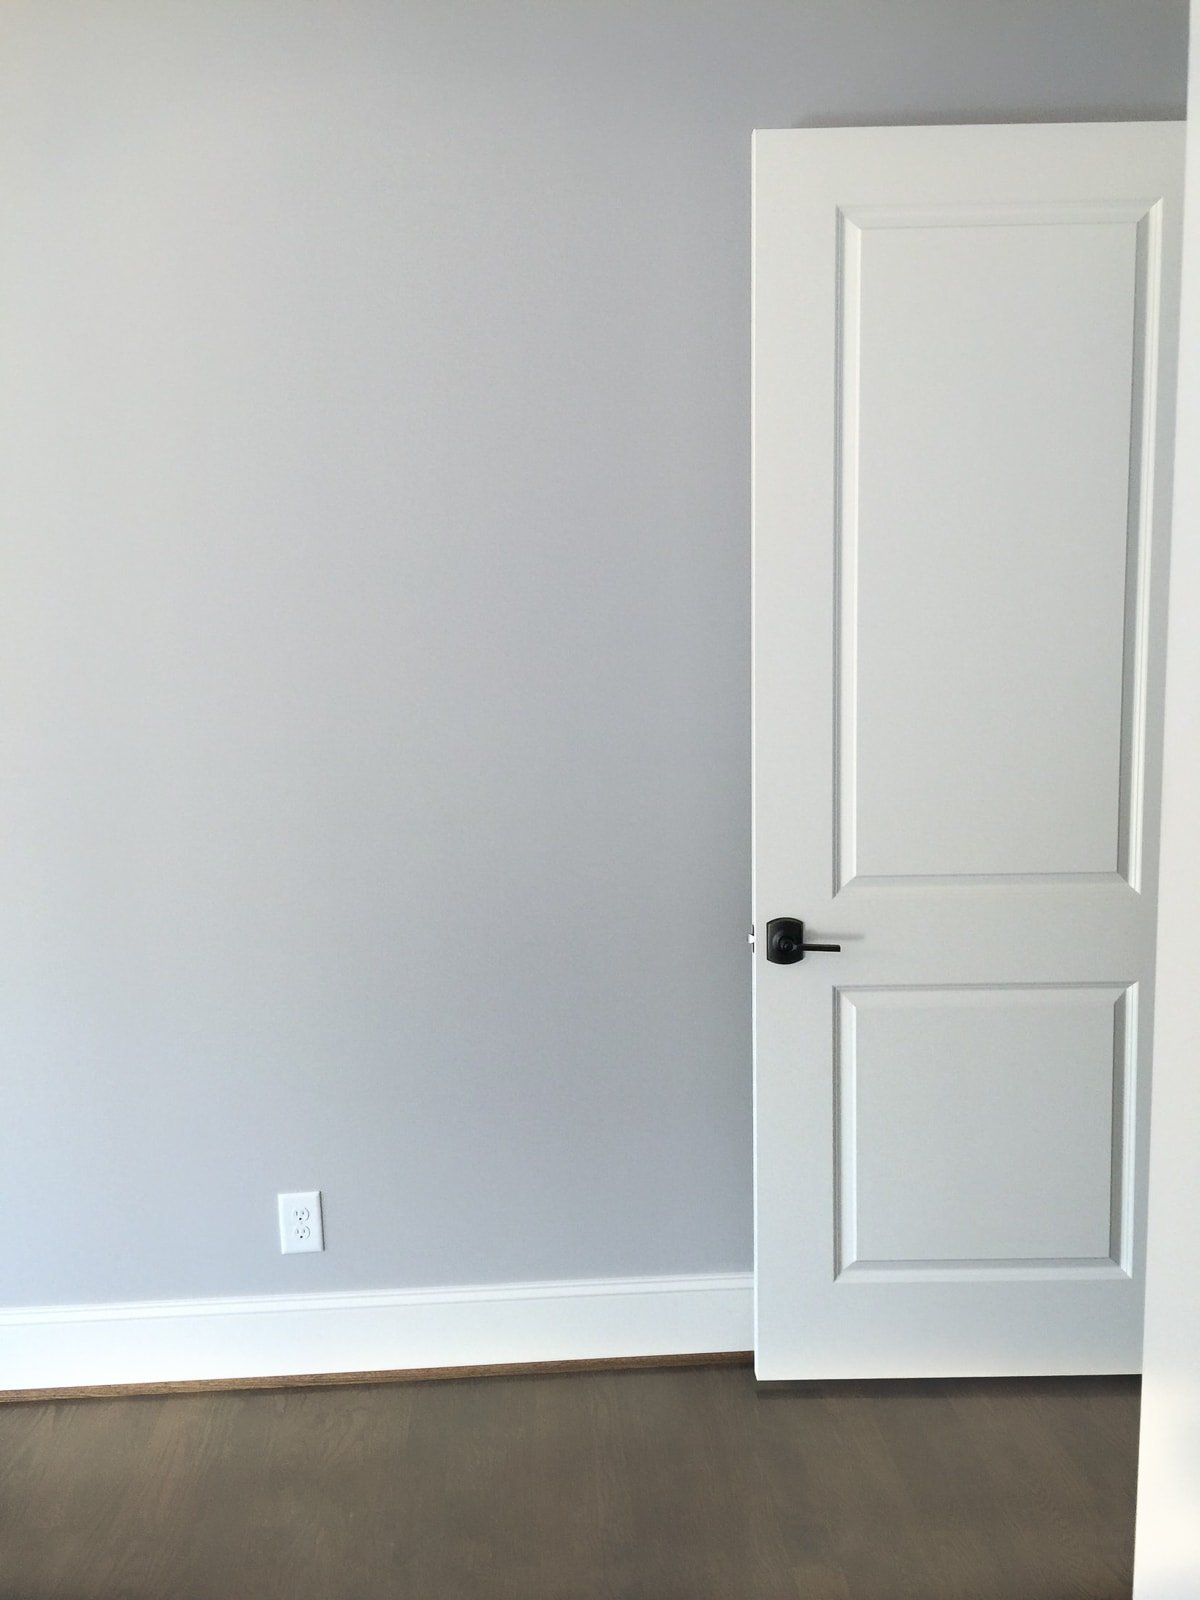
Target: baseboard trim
{"type": "Point", "coordinates": [164, 1346]}
{"type": "Point", "coordinates": [340, 1380]}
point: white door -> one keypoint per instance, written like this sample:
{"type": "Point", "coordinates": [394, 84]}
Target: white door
{"type": "Point", "coordinates": [964, 368]}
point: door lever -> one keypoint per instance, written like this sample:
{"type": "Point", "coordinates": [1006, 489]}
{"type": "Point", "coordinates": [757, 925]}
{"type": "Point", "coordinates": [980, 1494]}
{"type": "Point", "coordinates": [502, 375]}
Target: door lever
{"type": "Point", "coordinates": [785, 941]}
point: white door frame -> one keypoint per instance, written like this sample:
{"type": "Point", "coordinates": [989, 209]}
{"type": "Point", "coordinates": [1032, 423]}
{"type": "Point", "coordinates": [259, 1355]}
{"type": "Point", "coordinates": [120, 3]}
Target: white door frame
{"type": "Point", "coordinates": [1167, 1556]}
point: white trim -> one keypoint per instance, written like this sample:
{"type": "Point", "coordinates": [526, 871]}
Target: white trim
{"type": "Point", "coordinates": [162, 1341]}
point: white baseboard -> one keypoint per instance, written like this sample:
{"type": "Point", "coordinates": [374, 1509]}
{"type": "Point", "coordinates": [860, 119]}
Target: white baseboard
{"type": "Point", "coordinates": [163, 1341]}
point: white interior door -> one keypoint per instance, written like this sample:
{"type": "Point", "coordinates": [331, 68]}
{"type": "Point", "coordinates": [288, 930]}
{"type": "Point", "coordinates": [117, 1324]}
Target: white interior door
{"type": "Point", "coordinates": [964, 365]}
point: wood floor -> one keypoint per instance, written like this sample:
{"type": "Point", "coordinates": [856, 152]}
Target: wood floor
{"type": "Point", "coordinates": [642, 1485]}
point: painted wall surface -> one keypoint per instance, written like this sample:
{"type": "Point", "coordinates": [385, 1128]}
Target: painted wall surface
{"type": "Point", "coordinates": [374, 651]}
{"type": "Point", "coordinates": [1167, 1554]}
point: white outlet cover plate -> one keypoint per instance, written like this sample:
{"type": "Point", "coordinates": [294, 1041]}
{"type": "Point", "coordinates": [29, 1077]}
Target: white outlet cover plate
{"type": "Point", "coordinates": [300, 1226]}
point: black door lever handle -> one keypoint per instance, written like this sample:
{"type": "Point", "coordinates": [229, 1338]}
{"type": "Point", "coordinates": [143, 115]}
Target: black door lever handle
{"type": "Point", "coordinates": [785, 941]}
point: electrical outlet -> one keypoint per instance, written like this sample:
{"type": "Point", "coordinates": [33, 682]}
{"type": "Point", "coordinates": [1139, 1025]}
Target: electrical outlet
{"type": "Point", "coordinates": [300, 1222]}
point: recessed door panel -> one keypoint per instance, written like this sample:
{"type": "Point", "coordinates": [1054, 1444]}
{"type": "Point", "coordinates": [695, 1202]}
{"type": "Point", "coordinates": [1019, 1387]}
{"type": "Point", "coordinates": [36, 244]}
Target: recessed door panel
{"type": "Point", "coordinates": [990, 422]}
{"type": "Point", "coordinates": [981, 1127]}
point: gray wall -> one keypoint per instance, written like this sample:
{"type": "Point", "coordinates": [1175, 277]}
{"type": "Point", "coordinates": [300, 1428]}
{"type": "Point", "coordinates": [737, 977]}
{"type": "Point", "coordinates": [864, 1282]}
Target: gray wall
{"type": "Point", "coordinates": [374, 611]}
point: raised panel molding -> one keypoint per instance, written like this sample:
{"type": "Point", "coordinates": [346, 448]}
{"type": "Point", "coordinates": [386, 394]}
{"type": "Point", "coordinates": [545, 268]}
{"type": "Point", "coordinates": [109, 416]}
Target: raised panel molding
{"type": "Point", "coordinates": [1106, 1148]}
{"type": "Point", "coordinates": [1141, 220]}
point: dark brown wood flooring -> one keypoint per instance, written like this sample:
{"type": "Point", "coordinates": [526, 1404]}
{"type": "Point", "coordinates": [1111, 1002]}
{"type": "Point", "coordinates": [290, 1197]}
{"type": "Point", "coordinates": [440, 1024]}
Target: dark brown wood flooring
{"type": "Point", "coordinates": [638, 1485]}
